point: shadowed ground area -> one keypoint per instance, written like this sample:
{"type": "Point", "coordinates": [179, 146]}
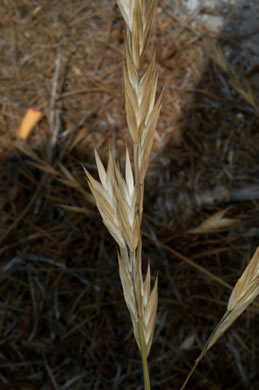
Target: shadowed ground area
{"type": "Point", "coordinates": [63, 320]}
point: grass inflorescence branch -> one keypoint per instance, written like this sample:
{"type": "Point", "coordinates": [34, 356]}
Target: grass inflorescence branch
{"type": "Point", "coordinates": [120, 199]}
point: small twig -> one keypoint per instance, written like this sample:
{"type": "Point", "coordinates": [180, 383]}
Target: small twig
{"type": "Point", "coordinates": [51, 376]}
{"type": "Point", "coordinates": [54, 121]}
{"type": "Point", "coordinates": [34, 304]}
{"type": "Point", "coordinates": [72, 381]}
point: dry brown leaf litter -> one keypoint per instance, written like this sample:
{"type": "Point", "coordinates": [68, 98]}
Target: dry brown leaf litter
{"type": "Point", "coordinates": [57, 324]}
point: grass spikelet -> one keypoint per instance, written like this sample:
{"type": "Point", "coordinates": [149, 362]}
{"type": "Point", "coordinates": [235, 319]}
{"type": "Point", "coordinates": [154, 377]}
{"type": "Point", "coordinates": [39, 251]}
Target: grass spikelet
{"type": "Point", "coordinates": [214, 223]}
{"type": "Point", "coordinates": [244, 292]}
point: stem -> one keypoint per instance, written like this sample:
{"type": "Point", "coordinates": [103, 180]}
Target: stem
{"type": "Point", "coordinates": [143, 355]}
{"type": "Point", "coordinates": [140, 325]}
{"type": "Point", "coordinates": [140, 191]}
{"type": "Point", "coordinates": [139, 186]}
{"type": "Point", "coordinates": [139, 248]}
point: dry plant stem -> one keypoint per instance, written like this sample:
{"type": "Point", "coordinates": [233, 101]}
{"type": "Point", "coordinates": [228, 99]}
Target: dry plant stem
{"type": "Point", "coordinates": [139, 211]}
{"type": "Point", "coordinates": [138, 17]}
{"type": "Point", "coordinates": [142, 343]}
{"type": "Point", "coordinates": [143, 353]}
{"type": "Point", "coordinates": [140, 323]}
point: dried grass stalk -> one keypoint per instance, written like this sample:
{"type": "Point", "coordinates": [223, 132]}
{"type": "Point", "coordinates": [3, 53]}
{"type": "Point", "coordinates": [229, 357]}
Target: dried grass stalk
{"type": "Point", "coordinates": [119, 199]}
{"type": "Point", "coordinates": [244, 292]}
